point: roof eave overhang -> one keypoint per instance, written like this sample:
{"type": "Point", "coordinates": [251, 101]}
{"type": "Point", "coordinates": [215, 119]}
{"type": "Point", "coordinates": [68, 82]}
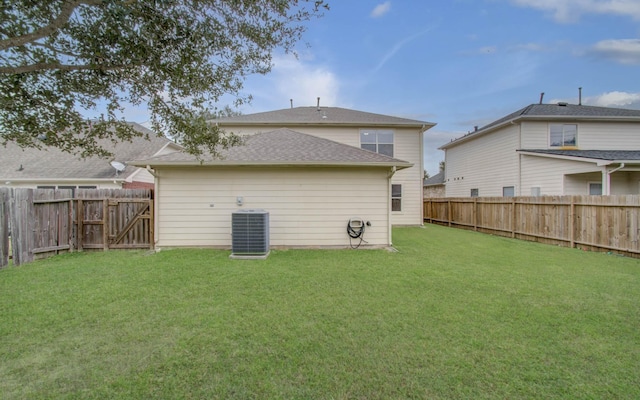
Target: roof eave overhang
{"type": "Point", "coordinates": [537, 118]}
{"type": "Point", "coordinates": [598, 161]}
{"type": "Point", "coordinates": [422, 126]}
{"type": "Point", "coordinates": [152, 164]}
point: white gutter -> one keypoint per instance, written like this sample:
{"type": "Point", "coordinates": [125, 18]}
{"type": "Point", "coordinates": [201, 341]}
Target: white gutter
{"type": "Point", "coordinates": [606, 179]}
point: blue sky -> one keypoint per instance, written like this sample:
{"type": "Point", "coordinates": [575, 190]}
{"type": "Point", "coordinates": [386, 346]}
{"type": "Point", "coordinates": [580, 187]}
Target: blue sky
{"type": "Point", "coordinates": [459, 63]}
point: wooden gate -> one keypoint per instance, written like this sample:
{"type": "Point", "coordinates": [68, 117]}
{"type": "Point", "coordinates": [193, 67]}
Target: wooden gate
{"type": "Point", "coordinates": [45, 222]}
{"type": "Point", "coordinates": [114, 222]}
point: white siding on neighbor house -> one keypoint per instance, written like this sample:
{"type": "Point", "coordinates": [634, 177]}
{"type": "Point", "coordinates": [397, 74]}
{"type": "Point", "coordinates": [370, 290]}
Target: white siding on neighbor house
{"type": "Point", "coordinates": [488, 164]}
{"type": "Point", "coordinates": [591, 135]}
{"type": "Point", "coordinates": [407, 147]}
{"type": "Point", "coordinates": [141, 175]}
{"type": "Point", "coordinates": [308, 207]}
{"type": "Point", "coordinates": [549, 175]}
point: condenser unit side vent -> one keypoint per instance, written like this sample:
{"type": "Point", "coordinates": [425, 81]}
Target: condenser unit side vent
{"type": "Point", "coordinates": [250, 233]}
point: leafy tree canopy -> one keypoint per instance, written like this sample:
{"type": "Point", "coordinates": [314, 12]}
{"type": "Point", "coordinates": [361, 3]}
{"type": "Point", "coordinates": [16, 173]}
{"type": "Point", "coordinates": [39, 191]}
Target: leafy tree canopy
{"type": "Point", "coordinates": [60, 58]}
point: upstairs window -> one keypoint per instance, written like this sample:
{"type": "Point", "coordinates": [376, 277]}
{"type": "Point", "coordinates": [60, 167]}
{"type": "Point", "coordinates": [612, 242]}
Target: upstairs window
{"type": "Point", "coordinates": [561, 135]}
{"type": "Point", "coordinates": [377, 140]}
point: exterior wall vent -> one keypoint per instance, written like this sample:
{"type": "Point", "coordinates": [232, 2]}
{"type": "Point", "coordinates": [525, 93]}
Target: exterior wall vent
{"type": "Point", "coordinates": [250, 233]}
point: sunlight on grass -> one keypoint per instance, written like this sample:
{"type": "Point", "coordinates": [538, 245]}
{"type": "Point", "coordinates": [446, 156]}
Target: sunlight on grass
{"type": "Point", "coordinates": [453, 314]}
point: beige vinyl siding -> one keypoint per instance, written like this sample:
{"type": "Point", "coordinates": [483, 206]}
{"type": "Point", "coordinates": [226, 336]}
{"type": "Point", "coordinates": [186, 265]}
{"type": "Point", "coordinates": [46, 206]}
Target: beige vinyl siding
{"type": "Point", "coordinates": [608, 136]}
{"type": "Point", "coordinates": [549, 175]}
{"type": "Point", "coordinates": [488, 164]}
{"type": "Point", "coordinates": [307, 206]}
{"type": "Point", "coordinates": [591, 135]}
{"type": "Point", "coordinates": [407, 147]}
{"type": "Point", "coordinates": [535, 135]}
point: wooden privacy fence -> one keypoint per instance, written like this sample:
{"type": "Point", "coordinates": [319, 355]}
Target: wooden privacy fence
{"type": "Point", "coordinates": [600, 223]}
{"type": "Point", "coordinates": [43, 222]}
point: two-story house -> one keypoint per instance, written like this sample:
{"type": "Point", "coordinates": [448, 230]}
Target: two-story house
{"type": "Point", "coordinates": [548, 149]}
{"type": "Point", "coordinates": [312, 168]}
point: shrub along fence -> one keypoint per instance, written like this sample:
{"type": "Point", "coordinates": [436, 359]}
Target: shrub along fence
{"type": "Point", "coordinates": [36, 223]}
{"type": "Point", "coordinates": [599, 223]}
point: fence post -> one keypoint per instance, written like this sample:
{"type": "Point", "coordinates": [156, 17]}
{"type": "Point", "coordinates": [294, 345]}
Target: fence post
{"type": "Point", "coordinates": [105, 224]}
{"type": "Point", "coordinates": [80, 217]}
{"type": "Point", "coordinates": [513, 217]}
{"type": "Point", "coordinates": [449, 218]}
{"type": "Point", "coordinates": [572, 228]}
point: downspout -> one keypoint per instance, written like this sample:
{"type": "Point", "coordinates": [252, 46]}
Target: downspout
{"type": "Point", "coordinates": [156, 209]}
{"type": "Point", "coordinates": [607, 187]}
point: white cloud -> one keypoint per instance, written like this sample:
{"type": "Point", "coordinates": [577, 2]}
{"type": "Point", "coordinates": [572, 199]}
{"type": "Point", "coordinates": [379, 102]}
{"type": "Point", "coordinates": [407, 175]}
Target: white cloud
{"type": "Point", "coordinates": [608, 99]}
{"type": "Point", "coordinates": [303, 82]}
{"type": "Point", "coordinates": [381, 9]}
{"type": "Point", "coordinates": [396, 47]}
{"type": "Point", "coordinates": [571, 10]}
{"type": "Point", "coordinates": [625, 51]}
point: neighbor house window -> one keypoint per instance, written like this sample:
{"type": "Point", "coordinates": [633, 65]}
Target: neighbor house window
{"type": "Point", "coordinates": [377, 140]}
{"type": "Point", "coordinates": [561, 135]}
{"type": "Point", "coordinates": [595, 189]}
{"type": "Point", "coordinates": [396, 197]}
{"type": "Point", "coordinates": [474, 192]}
{"type": "Point", "coordinates": [508, 191]}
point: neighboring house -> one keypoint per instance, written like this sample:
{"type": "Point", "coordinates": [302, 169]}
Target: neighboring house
{"type": "Point", "coordinates": [55, 169]}
{"type": "Point", "coordinates": [311, 168]}
{"type": "Point", "coordinates": [548, 149]}
{"type": "Point", "coordinates": [434, 186]}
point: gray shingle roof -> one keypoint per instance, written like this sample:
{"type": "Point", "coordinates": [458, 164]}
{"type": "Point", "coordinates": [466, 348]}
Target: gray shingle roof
{"type": "Point", "coordinates": [282, 147]}
{"type": "Point", "coordinates": [608, 155]}
{"type": "Point", "coordinates": [52, 164]}
{"type": "Point", "coordinates": [437, 179]}
{"type": "Point", "coordinates": [320, 116]}
{"type": "Point", "coordinates": [556, 112]}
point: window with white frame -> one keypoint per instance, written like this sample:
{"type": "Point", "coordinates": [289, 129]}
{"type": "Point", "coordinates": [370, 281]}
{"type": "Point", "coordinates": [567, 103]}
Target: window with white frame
{"type": "Point", "coordinates": [561, 135]}
{"type": "Point", "coordinates": [396, 197]}
{"type": "Point", "coordinates": [595, 188]}
{"type": "Point", "coordinates": [377, 140]}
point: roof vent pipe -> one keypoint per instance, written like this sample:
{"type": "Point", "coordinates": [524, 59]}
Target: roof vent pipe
{"type": "Point", "coordinates": [475, 128]}
{"type": "Point", "coordinates": [318, 103]}
{"type": "Point", "coordinates": [579, 96]}
{"type": "Point", "coordinates": [541, 97]}
{"type": "Point", "coordinates": [291, 101]}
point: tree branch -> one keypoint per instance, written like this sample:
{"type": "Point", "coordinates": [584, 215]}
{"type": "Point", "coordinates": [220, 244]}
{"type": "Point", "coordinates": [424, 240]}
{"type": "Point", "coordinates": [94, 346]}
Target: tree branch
{"type": "Point", "coordinates": [65, 13]}
{"type": "Point", "coordinates": [60, 67]}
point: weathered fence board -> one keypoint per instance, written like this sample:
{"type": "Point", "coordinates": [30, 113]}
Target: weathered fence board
{"type": "Point", "coordinates": [43, 222]}
{"type": "Point", "coordinates": [608, 223]}
{"type": "Point", "coordinates": [4, 227]}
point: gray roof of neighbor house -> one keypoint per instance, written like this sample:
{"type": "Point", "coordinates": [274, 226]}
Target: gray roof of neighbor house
{"type": "Point", "coordinates": [606, 155]}
{"type": "Point", "coordinates": [53, 164]}
{"type": "Point", "coordinates": [321, 116]}
{"type": "Point", "coordinates": [282, 147]}
{"type": "Point", "coordinates": [554, 112]}
{"type": "Point", "coordinates": [437, 179]}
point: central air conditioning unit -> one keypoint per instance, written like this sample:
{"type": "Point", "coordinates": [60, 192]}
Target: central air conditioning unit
{"type": "Point", "coordinates": [250, 234]}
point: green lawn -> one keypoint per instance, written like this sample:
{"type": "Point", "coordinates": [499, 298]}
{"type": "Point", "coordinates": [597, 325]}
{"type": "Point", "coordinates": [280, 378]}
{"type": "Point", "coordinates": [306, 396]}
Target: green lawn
{"type": "Point", "coordinates": [452, 314]}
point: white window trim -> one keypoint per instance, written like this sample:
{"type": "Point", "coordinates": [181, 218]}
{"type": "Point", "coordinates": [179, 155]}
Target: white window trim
{"type": "Point", "coordinates": [393, 143]}
{"type": "Point", "coordinates": [594, 183]}
{"type": "Point", "coordinates": [561, 123]}
{"type": "Point", "coordinates": [401, 197]}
